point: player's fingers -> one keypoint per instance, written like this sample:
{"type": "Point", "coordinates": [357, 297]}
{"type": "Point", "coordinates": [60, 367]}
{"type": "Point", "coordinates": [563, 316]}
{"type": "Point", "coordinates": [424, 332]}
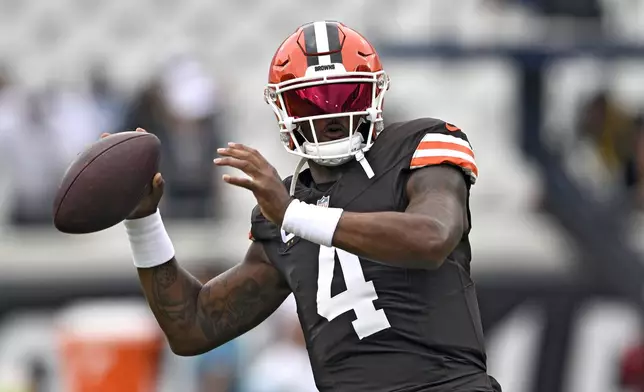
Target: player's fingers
{"type": "Point", "coordinates": [158, 184]}
{"type": "Point", "coordinates": [104, 135]}
{"type": "Point", "coordinates": [242, 153]}
{"type": "Point", "coordinates": [141, 130]}
{"type": "Point", "coordinates": [241, 164]}
{"type": "Point", "coordinates": [232, 152]}
{"type": "Point", "coordinates": [239, 181]}
{"type": "Point", "coordinates": [158, 180]}
{"type": "Point", "coordinates": [243, 147]}
{"type": "Point", "coordinates": [249, 150]}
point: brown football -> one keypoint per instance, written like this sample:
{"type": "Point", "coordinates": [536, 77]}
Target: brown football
{"type": "Point", "coordinates": [106, 182]}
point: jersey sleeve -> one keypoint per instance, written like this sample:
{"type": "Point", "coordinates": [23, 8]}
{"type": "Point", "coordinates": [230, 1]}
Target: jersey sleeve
{"type": "Point", "coordinates": [445, 144]}
{"type": "Point", "coordinates": [261, 229]}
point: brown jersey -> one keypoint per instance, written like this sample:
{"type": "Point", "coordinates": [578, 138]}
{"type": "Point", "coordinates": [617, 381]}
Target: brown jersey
{"type": "Point", "coordinates": [373, 327]}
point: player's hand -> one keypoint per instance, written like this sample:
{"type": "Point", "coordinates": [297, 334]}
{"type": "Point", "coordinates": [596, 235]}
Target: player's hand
{"type": "Point", "coordinates": [264, 181]}
{"type": "Point", "coordinates": [150, 202]}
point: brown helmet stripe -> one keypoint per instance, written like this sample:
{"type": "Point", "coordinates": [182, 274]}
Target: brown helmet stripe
{"type": "Point", "coordinates": [324, 38]}
{"type": "Point", "coordinates": [310, 45]}
{"type": "Point", "coordinates": [333, 36]}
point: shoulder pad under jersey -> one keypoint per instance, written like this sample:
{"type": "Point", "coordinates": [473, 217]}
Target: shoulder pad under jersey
{"type": "Point", "coordinates": [428, 141]}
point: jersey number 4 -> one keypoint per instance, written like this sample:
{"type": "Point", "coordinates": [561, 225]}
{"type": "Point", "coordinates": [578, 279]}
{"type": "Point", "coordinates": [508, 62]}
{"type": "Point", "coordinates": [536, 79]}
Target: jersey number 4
{"type": "Point", "coordinates": [358, 296]}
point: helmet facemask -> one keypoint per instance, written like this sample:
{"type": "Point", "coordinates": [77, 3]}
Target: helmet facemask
{"type": "Point", "coordinates": [356, 95]}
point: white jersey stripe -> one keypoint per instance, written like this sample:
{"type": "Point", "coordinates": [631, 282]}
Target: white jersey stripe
{"type": "Point", "coordinates": [439, 137]}
{"type": "Point", "coordinates": [435, 152]}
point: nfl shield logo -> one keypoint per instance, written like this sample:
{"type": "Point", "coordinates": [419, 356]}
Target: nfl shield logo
{"type": "Point", "coordinates": [324, 201]}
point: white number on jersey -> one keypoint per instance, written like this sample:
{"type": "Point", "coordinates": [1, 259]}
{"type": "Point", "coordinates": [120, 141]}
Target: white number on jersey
{"type": "Point", "coordinates": [358, 296]}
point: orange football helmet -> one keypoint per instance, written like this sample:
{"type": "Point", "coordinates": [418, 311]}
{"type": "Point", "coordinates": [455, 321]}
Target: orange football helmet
{"type": "Point", "coordinates": [327, 70]}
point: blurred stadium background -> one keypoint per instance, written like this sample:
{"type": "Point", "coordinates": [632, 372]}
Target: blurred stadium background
{"type": "Point", "coordinates": [550, 92]}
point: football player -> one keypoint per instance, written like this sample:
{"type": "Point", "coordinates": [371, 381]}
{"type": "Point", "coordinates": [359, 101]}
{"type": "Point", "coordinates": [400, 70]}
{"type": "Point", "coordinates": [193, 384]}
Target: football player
{"type": "Point", "coordinates": [372, 238]}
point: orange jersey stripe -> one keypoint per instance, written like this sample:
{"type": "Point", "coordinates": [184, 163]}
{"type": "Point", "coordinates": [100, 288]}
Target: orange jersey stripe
{"type": "Point", "coordinates": [445, 146]}
{"type": "Point", "coordinates": [428, 161]}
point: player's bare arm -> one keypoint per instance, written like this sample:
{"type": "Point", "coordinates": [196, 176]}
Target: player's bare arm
{"type": "Point", "coordinates": [194, 317]}
{"type": "Point", "coordinates": [197, 318]}
{"type": "Point", "coordinates": [421, 237]}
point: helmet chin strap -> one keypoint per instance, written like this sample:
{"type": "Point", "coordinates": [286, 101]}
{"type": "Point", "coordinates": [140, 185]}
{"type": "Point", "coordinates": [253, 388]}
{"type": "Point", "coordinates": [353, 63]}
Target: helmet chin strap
{"type": "Point", "coordinates": [355, 144]}
{"type": "Point", "coordinates": [334, 147]}
{"type": "Point", "coordinates": [295, 175]}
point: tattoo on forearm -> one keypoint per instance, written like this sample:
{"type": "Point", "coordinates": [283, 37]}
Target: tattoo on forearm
{"type": "Point", "coordinates": [252, 298]}
{"type": "Point", "coordinates": [166, 275]}
{"type": "Point", "coordinates": [230, 313]}
{"type": "Point", "coordinates": [175, 302]}
{"type": "Point", "coordinates": [226, 307]}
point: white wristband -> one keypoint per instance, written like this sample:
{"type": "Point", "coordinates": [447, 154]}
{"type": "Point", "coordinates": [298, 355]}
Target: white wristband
{"type": "Point", "coordinates": [312, 223]}
{"type": "Point", "coordinates": [149, 242]}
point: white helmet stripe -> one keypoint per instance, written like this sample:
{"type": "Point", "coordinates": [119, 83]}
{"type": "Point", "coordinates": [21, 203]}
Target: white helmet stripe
{"type": "Point", "coordinates": [322, 42]}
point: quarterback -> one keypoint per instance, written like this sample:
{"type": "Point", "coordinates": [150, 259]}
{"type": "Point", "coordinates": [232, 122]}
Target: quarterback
{"type": "Point", "coordinates": [371, 238]}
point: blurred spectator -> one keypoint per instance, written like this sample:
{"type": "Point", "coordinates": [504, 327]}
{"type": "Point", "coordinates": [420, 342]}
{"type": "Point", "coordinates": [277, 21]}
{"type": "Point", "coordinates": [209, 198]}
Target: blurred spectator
{"type": "Point", "coordinates": [637, 168]}
{"type": "Point", "coordinates": [571, 8]}
{"type": "Point", "coordinates": [12, 117]}
{"type": "Point", "coordinates": [109, 103]}
{"type": "Point", "coordinates": [38, 376]}
{"type": "Point", "coordinates": [611, 132]}
{"type": "Point", "coordinates": [284, 365]}
{"type": "Point", "coordinates": [46, 131]}
{"type": "Point", "coordinates": [34, 180]}
{"type": "Point", "coordinates": [147, 110]}
{"type": "Point", "coordinates": [180, 108]}
{"type": "Point", "coordinates": [75, 120]}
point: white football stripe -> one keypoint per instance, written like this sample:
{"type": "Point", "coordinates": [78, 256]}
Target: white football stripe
{"type": "Point", "coordinates": [439, 137]}
{"type": "Point", "coordinates": [437, 152]}
{"type": "Point", "coordinates": [322, 42]}
{"type": "Point", "coordinates": [467, 171]}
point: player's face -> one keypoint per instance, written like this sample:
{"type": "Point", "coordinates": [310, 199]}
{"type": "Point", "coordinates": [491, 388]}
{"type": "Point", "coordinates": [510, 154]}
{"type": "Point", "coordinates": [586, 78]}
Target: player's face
{"type": "Point", "coordinates": [327, 130]}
